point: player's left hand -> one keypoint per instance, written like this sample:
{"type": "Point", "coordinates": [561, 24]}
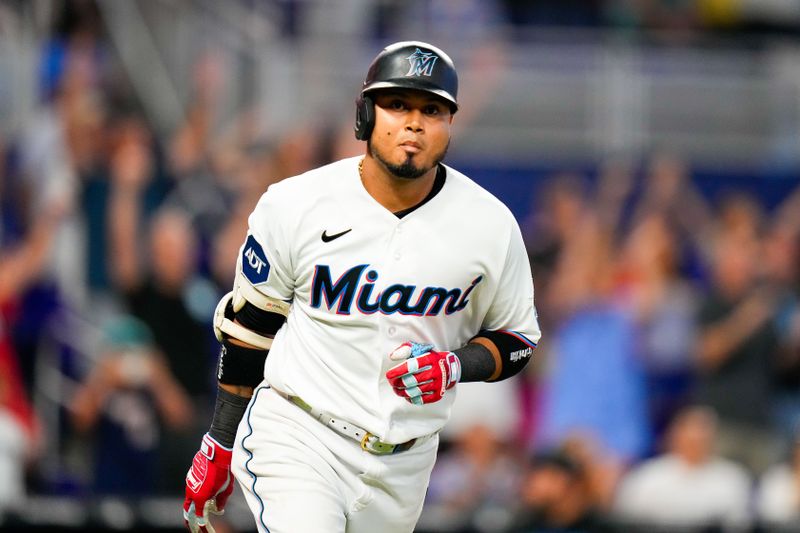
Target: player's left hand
{"type": "Point", "coordinates": [425, 374]}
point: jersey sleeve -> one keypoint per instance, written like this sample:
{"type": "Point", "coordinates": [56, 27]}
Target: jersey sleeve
{"type": "Point", "coordinates": [512, 310]}
{"type": "Point", "coordinates": [264, 260]}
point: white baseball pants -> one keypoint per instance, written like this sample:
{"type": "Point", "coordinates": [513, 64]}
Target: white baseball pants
{"type": "Point", "coordinates": [299, 476]}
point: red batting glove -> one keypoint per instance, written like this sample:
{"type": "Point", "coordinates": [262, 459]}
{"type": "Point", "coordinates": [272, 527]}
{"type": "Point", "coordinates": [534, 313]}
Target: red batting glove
{"type": "Point", "coordinates": [424, 375]}
{"type": "Point", "coordinates": [209, 484]}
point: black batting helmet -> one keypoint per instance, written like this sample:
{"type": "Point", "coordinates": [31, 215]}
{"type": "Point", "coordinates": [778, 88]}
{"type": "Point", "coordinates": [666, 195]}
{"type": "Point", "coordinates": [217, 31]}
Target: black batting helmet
{"type": "Point", "coordinates": [407, 65]}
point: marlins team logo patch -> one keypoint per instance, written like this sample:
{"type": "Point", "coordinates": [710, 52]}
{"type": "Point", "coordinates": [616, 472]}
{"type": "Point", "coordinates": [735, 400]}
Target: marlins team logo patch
{"type": "Point", "coordinates": [421, 63]}
{"type": "Point", "coordinates": [255, 266]}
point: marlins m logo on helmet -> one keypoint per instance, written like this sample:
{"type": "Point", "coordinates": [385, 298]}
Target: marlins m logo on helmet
{"type": "Point", "coordinates": [421, 63]}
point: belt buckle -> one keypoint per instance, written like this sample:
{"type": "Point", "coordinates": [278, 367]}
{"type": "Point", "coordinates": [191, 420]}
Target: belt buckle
{"type": "Point", "coordinates": [370, 443]}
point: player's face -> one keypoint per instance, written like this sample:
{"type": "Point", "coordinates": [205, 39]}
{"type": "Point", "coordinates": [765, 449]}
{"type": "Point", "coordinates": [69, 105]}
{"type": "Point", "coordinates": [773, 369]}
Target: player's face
{"type": "Point", "coordinates": [412, 131]}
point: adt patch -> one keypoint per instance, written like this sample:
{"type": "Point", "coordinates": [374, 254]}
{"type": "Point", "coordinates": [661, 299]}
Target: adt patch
{"type": "Point", "coordinates": [254, 262]}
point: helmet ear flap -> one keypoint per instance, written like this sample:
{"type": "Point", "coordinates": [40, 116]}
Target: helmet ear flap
{"type": "Point", "coordinates": [365, 117]}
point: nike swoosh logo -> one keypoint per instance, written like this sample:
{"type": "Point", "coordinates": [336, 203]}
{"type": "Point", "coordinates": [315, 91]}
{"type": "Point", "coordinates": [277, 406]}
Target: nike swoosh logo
{"type": "Point", "coordinates": [328, 238]}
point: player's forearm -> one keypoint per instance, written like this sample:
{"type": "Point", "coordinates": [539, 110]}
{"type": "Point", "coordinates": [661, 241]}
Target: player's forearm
{"type": "Point", "coordinates": [494, 356]}
{"type": "Point", "coordinates": [241, 368]}
{"type": "Point", "coordinates": [229, 409]}
{"type": "Point", "coordinates": [479, 360]}
{"type": "Point", "coordinates": [238, 390]}
{"type": "Point", "coordinates": [228, 412]}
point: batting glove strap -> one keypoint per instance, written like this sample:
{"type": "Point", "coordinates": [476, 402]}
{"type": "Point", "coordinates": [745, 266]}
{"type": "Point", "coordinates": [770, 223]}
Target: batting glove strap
{"type": "Point", "coordinates": [425, 374]}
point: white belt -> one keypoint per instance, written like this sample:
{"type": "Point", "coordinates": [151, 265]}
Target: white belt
{"type": "Point", "coordinates": [369, 442]}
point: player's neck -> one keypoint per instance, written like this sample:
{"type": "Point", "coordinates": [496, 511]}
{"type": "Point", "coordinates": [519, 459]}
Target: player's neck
{"type": "Point", "coordinates": [393, 193]}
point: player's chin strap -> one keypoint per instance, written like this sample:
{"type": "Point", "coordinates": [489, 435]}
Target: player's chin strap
{"type": "Point", "coordinates": [226, 310]}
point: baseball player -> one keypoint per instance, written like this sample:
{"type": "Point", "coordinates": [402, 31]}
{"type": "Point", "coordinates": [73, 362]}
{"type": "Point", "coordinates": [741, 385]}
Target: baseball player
{"type": "Point", "coordinates": [365, 291]}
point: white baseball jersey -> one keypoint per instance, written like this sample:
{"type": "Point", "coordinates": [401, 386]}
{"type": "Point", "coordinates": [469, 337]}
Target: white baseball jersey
{"type": "Point", "coordinates": [362, 281]}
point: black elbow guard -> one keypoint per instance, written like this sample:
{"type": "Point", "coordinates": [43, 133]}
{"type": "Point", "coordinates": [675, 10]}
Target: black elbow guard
{"type": "Point", "coordinates": [265, 323]}
{"type": "Point", "coordinates": [239, 365]}
{"type": "Point", "coordinates": [515, 351]}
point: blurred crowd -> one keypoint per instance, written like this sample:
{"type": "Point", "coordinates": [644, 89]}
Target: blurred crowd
{"type": "Point", "coordinates": [116, 247]}
{"type": "Point", "coordinates": [639, 16]}
{"type": "Point", "coordinates": [666, 389]}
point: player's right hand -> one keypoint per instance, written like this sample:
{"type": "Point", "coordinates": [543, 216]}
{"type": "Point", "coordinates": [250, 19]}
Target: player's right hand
{"type": "Point", "coordinates": [425, 374]}
{"type": "Point", "coordinates": [209, 484]}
